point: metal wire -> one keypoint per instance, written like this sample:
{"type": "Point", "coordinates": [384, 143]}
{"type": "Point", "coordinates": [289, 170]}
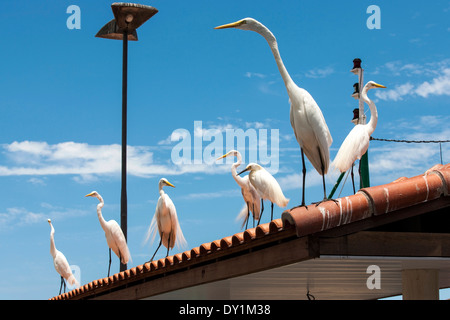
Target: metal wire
{"type": "Point", "coordinates": [411, 141]}
{"type": "Point", "coordinates": [416, 141]}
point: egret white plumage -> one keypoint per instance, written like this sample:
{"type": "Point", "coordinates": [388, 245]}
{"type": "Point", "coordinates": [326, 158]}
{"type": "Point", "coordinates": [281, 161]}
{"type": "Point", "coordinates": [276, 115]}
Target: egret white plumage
{"type": "Point", "coordinates": [310, 128]}
{"type": "Point", "coordinates": [267, 187]}
{"type": "Point", "coordinates": [114, 235]}
{"type": "Point", "coordinates": [249, 193]}
{"type": "Point", "coordinates": [60, 262]}
{"type": "Point", "coordinates": [357, 141]}
{"type": "Point", "coordinates": [165, 221]}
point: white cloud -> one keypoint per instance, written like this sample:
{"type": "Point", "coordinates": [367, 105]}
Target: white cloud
{"type": "Point", "coordinates": [398, 68]}
{"type": "Point", "coordinates": [19, 216]}
{"type": "Point", "coordinates": [86, 161]}
{"type": "Point", "coordinates": [439, 85]}
{"type": "Point", "coordinates": [294, 181]}
{"type": "Point", "coordinates": [213, 195]}
{"type": "Point", "coordinates": [255, 74]}
{"type": "Point", "coordinates": [391, 160]}
{"type": "Point", "coordinates": [37, 181]}
{"type": "Point", "coordinates": [319, 72]}
{"type": "Point", "coordinates": [395, 94]}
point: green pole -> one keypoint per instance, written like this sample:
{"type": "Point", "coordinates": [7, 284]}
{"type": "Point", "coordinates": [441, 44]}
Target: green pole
{"type": "Point", "coordinates": [364, 171]}
{"type": "Point", "coordinates": [336, 185]}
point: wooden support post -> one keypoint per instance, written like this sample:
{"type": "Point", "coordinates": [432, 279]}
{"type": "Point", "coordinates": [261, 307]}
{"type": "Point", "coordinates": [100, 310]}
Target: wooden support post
{"type": "Point", "coordinates": [420, 284]}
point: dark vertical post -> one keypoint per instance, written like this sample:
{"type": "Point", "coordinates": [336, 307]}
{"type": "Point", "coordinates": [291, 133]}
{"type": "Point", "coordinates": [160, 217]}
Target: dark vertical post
{"type": "Point", "coordinates": [128, 17]}
{"type": "Point", "coordinates": [364, 174]}
{"type": "Point", "coordinates": [123, 197]}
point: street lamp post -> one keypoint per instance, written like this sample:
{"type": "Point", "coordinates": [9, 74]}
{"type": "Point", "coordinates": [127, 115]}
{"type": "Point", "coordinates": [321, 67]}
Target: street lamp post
{"type": "Point", "coordinates": [128, 17]}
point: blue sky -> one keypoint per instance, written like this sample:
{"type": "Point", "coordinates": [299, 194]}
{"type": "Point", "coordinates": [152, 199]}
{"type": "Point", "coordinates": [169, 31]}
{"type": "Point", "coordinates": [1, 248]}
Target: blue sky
{"type": "Point", "coordinates": [61, 115]}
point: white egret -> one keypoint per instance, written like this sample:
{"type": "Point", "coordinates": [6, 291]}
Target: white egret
{"type": "Point", "coordinates": [165, 221]}
{"type": "Point", "coordinates": [249, 193]}
{"type": "Point", "coordinates": [357, 141]}
{"type": "Point", "coordinates": [310, 128]}
{"type": "Point", "coordinates": [60, 262]}
{"type": "Point", "coordinates": [113, 233]}
{"type": "Point", "coordinates": [266, 185]}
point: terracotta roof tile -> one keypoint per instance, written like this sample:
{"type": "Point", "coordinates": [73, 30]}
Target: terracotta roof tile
{"type": "Point", "coordinates": [215, 245]}
{"type": "Point", "coordinates": [394, 196]}
{"type": "Point", "coordinates": [177, 258]}
{"type": "Point", "coordinates": [300, 221]}
{"type": "Point", "coordinates": [327, 215]}
{"type": "Point", "coordinates": [443, 171]}
{"type": "Point", "coordinates": [225, 242]}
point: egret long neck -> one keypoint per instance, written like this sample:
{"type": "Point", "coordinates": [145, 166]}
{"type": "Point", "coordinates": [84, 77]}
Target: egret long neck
{"type": "Point", "coordinates": [52, 242]}
{"type": "Point", "coordinates": [373, 113]}
{"type": "Point", "coordinates": [99, 213]}
{"type": "Point", "coordinates": [272, 41]}
{"type": "Point", "coordinates": [239, 179]}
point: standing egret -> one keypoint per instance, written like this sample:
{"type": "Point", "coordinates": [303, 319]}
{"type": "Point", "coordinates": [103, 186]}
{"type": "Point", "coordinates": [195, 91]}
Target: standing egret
{"type": "Point", "coordinates": [113, 233]}
{"type": "Point", "coordinates": [356, 143]}
{"type": "Point", "coordinates": [166, 221]}
{"type": "Point", "coordinates": [249, 193]}
{"type": "Point", "coordinates": [310, 128]}
{"type": "Point", "coordinates": [266, 185]}
{"type": "Point", "coordinates": [60, 262]}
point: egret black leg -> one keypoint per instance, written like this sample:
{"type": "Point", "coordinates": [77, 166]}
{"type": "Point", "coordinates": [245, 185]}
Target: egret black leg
{"type": "Point", "coordinates": [322, 167]}
{"type": "Point", "coordinates": [303, 181]}
{"type": "Point", "coordinates": [304, 178]}
{"type": "Point", "coordinates": [248, 215]}
{"type": "Point", "coordinates": [109, 266]}
{"type": "Point", "coordinates": [359, 172]}
{"type": "Point", "coordinates": [271, 212]}
{"type": "Point", "coordinates": [353, 180]}
{"type": "Point", "coordinates": [168, 245]}
{"type": "Point", "coordinates": [253, 214]}
{"type": "Point", "coordinates": [160, 241]}
{"type": "Point", "coordinates": [262, 210]}
{"type": "Point", "coordinates": [61, 284]}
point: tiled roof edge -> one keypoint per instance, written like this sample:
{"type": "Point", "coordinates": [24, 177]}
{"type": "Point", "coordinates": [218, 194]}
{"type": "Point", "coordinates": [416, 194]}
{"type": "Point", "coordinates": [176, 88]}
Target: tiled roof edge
{"type": "Point", "coordinates": [367, 202]}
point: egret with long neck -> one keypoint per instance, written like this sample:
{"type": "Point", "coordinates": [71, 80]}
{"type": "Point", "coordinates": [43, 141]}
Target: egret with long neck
{"type": "Point", "coordinates": [310, 128]}
{"type": "Point", "coordinates": [165, 221]}
{"type": "Point", "coordinates": [249, 193]}
{"type": "Point", "coordinates": [60, 262]}
{"type": "Point", "coordinates": [114, 236]}
{"type": "Point", "coordinates": [357, 141]}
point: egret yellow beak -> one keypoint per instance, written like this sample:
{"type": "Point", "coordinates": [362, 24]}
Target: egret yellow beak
{"type": "Point", "coordinates": [231, 25]}
{"type": "Point", "coordinates": [221, 157]}
{"type": "Point", "coordinates": [379, 85]}
{"type": "Point", "coordinates": [169, 184]}
{"type": "Point", "coordinates": [89, 195]}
